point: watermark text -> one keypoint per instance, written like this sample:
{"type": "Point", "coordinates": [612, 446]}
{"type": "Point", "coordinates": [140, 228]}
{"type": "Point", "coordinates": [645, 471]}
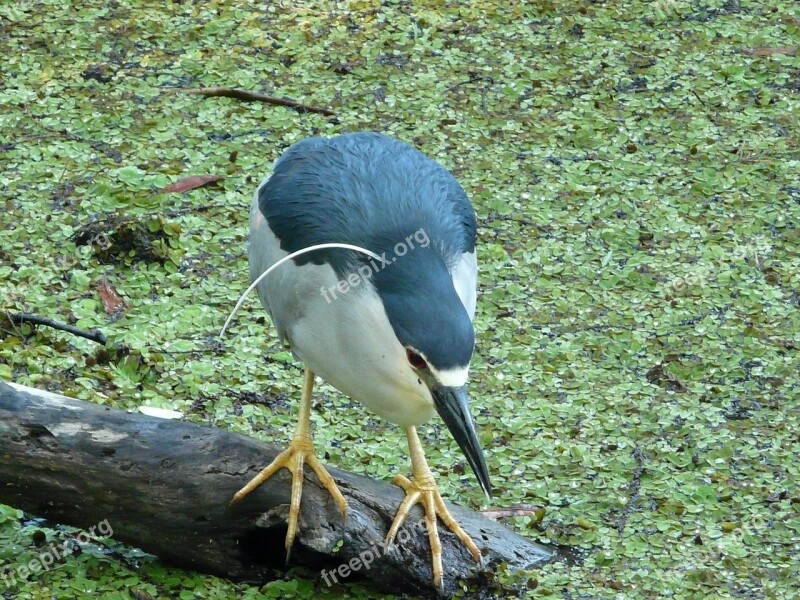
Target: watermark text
{"type": "Point", "coordinates": [366, 270]}
{"type": "Point", "coordinates": [55, 552]}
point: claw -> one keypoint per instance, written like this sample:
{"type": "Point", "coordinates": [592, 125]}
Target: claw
{"type": "Point", "coordinates": [299, 453]}
{"type": "Point", "coordinates": [428, 495]}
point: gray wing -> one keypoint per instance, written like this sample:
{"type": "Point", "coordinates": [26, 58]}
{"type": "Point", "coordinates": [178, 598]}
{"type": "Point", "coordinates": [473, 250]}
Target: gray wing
{"type": "Point", "coordinates": [363, 189]}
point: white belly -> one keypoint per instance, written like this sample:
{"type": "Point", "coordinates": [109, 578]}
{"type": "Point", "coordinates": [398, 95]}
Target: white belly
{"type": "Point", "coordinates": [345, 338]}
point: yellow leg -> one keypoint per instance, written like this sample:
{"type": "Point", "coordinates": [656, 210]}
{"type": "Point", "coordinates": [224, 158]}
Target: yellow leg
{"type": "Point", "coordinates": [422, 489]}
{"type": "Point", "coordinates": [299, 452]}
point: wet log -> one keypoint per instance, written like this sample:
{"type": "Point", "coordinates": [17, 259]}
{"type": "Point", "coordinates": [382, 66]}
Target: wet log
{"type": "Point", "coordinates": [164, 486]}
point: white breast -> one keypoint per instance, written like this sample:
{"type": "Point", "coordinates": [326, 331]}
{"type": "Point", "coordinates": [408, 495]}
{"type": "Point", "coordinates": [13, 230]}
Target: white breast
{"type": "Point", "coordinates": [465, 280]}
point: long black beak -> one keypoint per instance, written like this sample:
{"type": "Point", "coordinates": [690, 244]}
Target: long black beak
{"type": "Point", "coordinates": [451, 403]}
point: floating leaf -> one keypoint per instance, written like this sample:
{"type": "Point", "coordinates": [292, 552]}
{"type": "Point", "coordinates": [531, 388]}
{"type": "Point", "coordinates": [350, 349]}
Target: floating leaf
{"type": "Point", "coordinates": [517, 510]}
{"type": "Point", "coordinates": [191, 183]}
{"type": "Point", "coordinates": [785, 50]}
{"type": "Point", "coordinates": [161, 413]}
{"type": "Point", "coordinates": [112, 301]}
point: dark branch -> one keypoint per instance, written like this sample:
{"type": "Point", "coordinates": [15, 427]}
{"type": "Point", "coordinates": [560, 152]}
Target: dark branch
{"type": "Point", "coordinates": [249, 97]}
{"type": "Point", "coordinates": [93, 335]}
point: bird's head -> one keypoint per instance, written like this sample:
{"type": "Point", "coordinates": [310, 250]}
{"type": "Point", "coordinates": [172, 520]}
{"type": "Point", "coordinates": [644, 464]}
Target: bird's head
{"type": "Point", "coordinates": [436, 339]}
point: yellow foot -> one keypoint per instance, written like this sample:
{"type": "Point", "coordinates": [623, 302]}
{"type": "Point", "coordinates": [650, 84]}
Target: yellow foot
{"type": "Point", "coordinates": [425, 492]}
{"type": "Point", "coordinates": [299, 452]}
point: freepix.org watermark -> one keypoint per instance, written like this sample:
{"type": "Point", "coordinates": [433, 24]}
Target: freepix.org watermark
{"type": "Point", "coordinates": [365, 559]}
{"type": "Point", "coordinates": [366, 270]}
{"type": "Point", "coordinates": [55, 552]}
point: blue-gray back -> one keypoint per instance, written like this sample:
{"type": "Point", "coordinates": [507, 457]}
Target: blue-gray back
{"type": "Point", "coordinates": [365, 189]}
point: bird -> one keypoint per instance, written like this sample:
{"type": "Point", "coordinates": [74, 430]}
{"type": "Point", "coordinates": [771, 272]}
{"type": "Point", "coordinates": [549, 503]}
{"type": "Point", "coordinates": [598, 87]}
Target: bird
{"type": "Point", "coordinates": [370, 251]}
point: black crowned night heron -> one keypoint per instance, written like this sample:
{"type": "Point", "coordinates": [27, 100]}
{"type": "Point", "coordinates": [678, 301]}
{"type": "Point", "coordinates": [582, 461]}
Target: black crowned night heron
{"type": "Point", "coordinates": [376, 295]}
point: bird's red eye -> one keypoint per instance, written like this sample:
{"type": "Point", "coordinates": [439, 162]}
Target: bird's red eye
{"type": "Point", "coordinates": [415, 359]}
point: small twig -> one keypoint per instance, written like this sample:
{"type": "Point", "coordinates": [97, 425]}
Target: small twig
{"type": "Point", "coordinates": [696, 95]}
{"type": "Point", "coordinates": [517, 510]}
{"type": "Point", "coordinates": [473, 79]}
{"type": "Point", "coordinates": [634, 487]}
{"type": "Point", "coordinates": [93, 335]}
{"type": "Point", "coordinates": [8, 331]}
{"type": "Point", "coordinates": [218, 92]}
{"type": "Point", "coordinates": [787, 51]}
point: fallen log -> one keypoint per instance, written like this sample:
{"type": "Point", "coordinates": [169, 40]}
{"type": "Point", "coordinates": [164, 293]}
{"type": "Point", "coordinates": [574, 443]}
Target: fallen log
{"type": "Point", "coordinates": [164, 486]}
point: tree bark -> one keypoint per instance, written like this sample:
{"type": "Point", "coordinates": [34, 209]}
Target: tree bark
{"type": "Point", "coordinates": [164, 486]}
